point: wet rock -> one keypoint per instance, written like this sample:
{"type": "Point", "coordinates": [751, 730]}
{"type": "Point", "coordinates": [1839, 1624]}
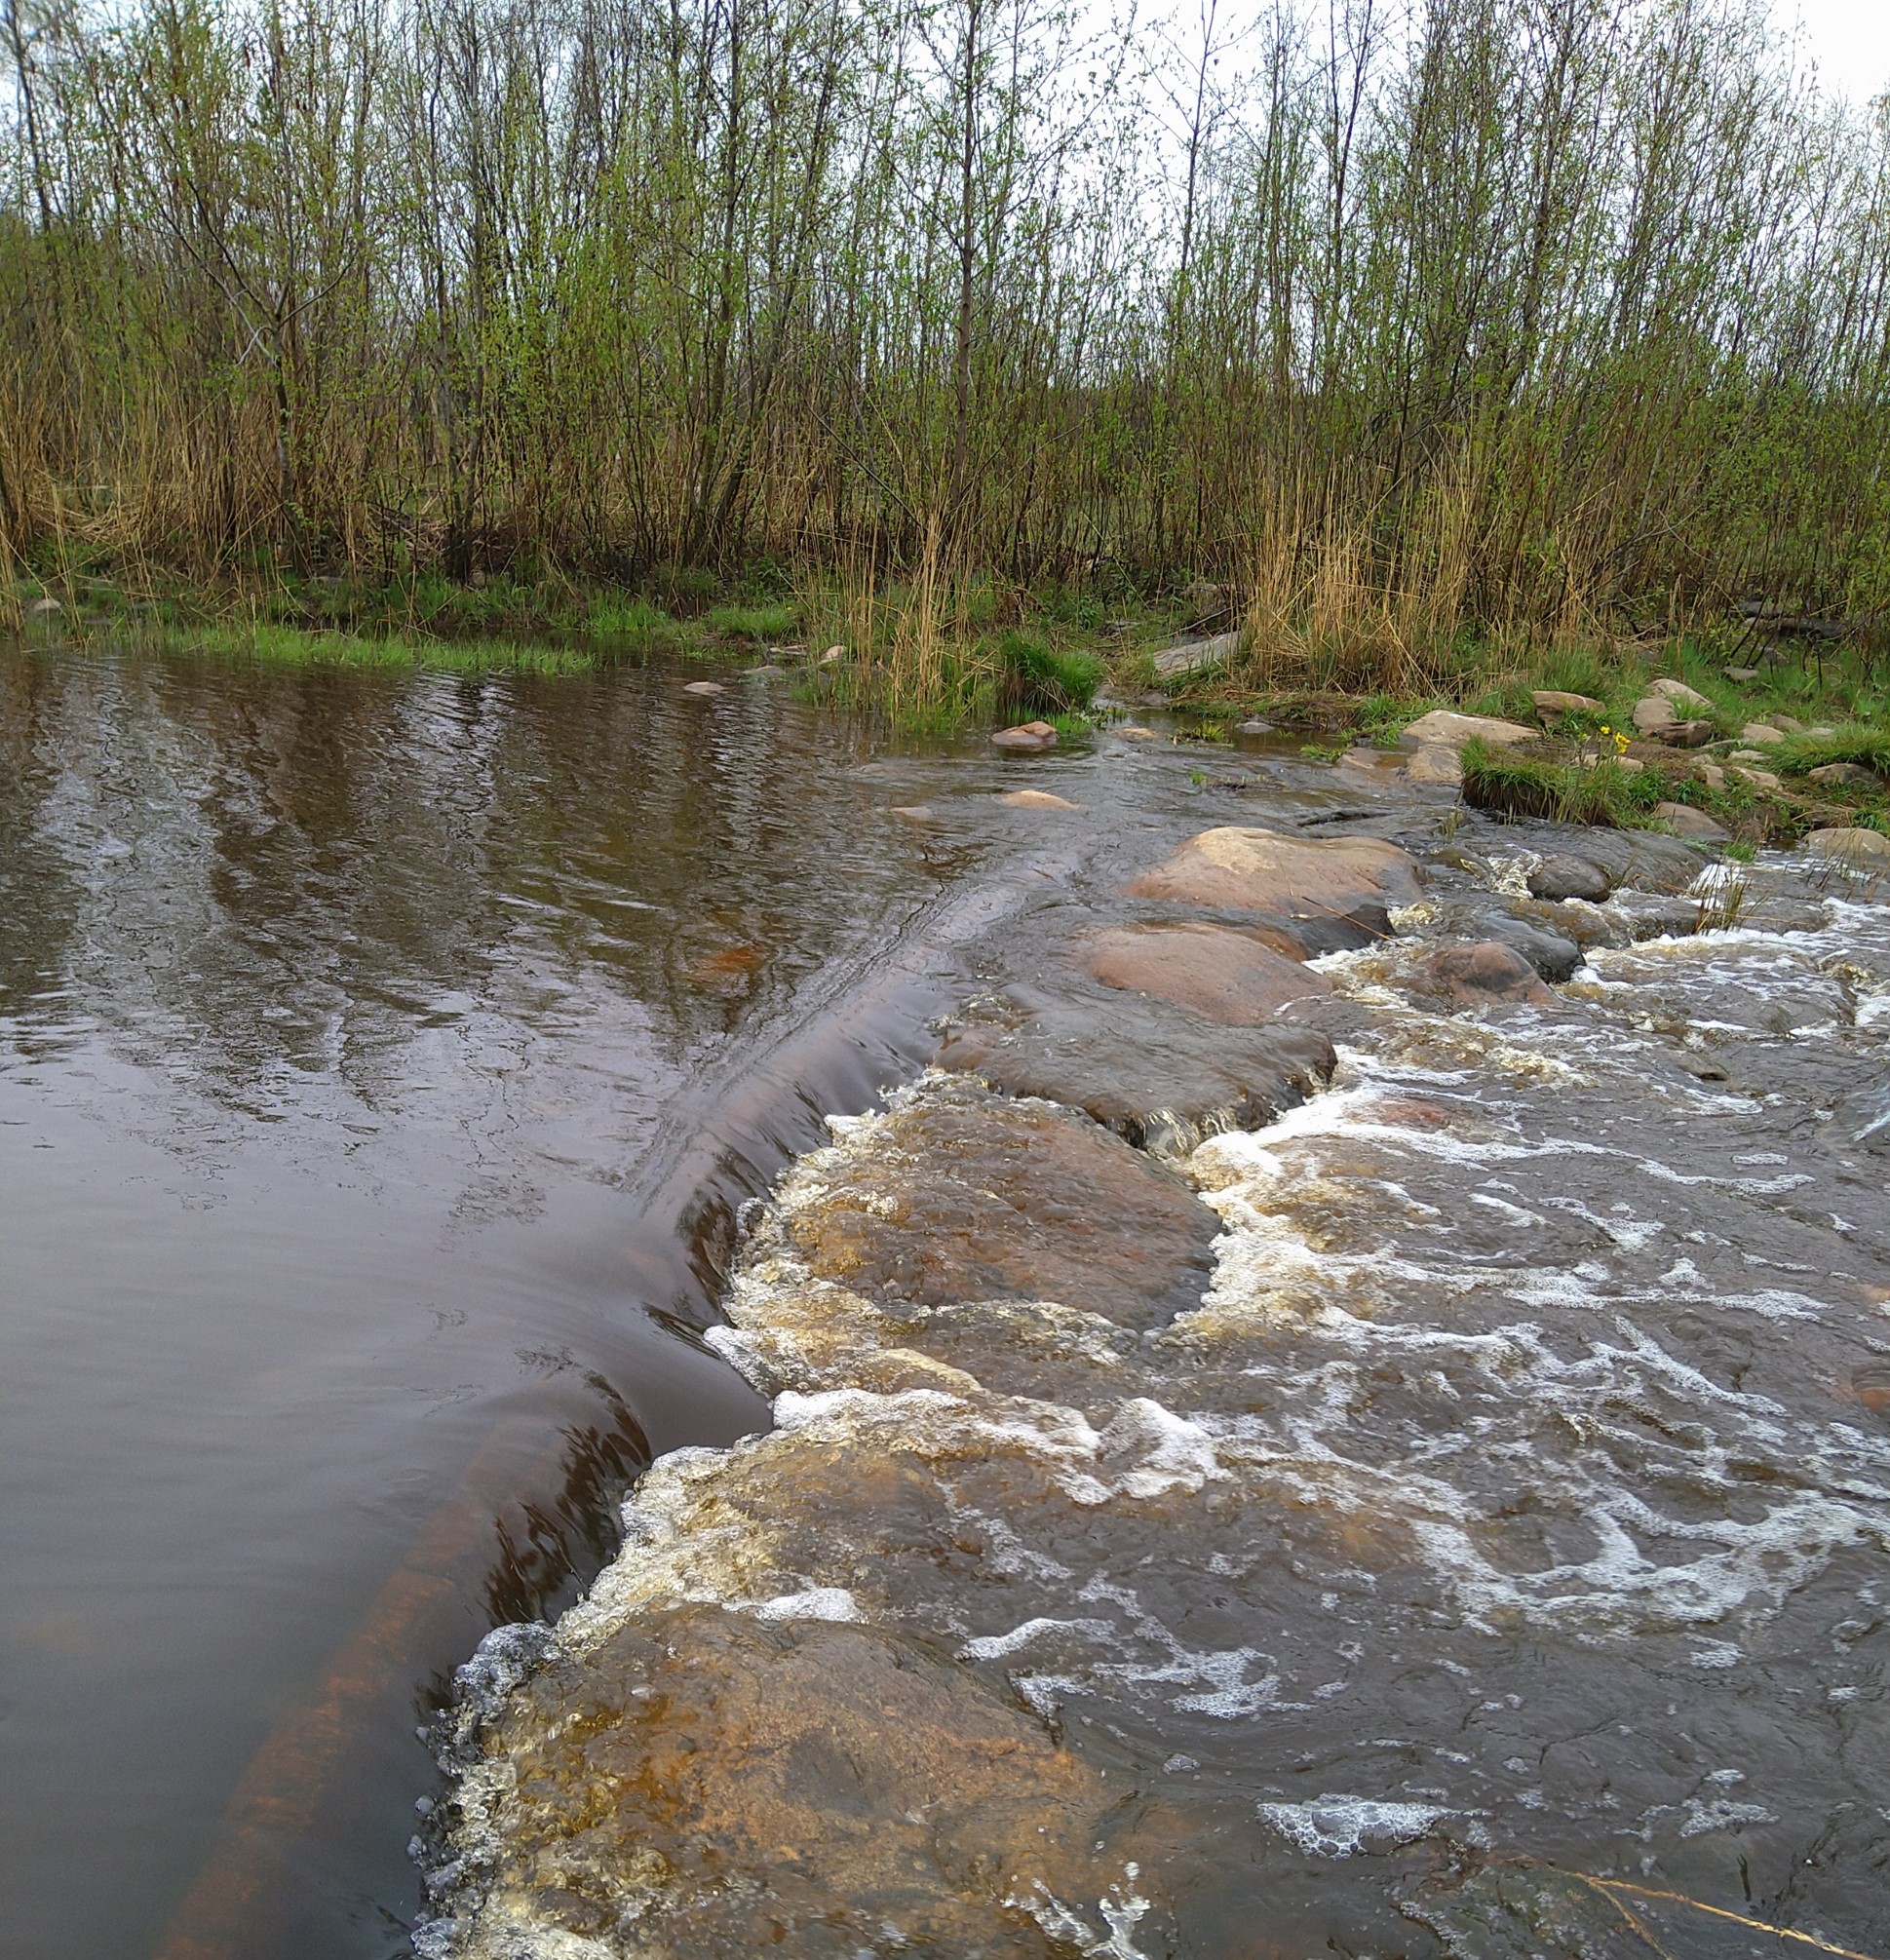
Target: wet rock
{"type": "Point", "coordinates": [970, 1197]}
{"type": "Point", "coordinates": [709, 1782]}
{"type": "Point", "coordinates": [1026, 736]}
{"type": "Point", "coordinates": [1195, 656]}
{"type": "Point", "coordinates": [1653, 712]}
{"type": "Point", "coordinates": [1761, 734]}
{"type": "Point", "coordinates": [1479, 975]}
{"type": "Point", "coordinates": [1036, 799]}
{"type": "Point", "coordinates": [1871, 1384]}
{"type": "Point", "coordinates": [702, 687]}
{"type": "Point", "coordinates": [1435, 767]}
{"type": "Point", "coordinates": [1442, 727]}
{"type": "Point", "coordinates": [1223, 976]}
{"type": "Point", "coordinates": [1133, 731]}
{"type": "Point", "coordinates": [1254, 727]}
{"type": "Point", "coordinates": [1554, 954]}
{"type": "Point", "coordinates": [915, 813]}
{"type": "Point", "coordinates": [1686, 822]}
{"type": "Point", "coordinates": [1864, 849]}
{"type": "Point", "coordinates": [1355, 880]}
{"type": "Point", "coordinates": [1852, 775]}
{"type": "Point", "coordinates": [1679, 694]}
{"type": "Point", "coordinates": [1157, 1076]}
{"type": "Point", "coordinates": [1561, 876]}
{"type": "Point", "coordinates": [1684, 734]}
{"type": "Point", "coordinates": [1552, 704]}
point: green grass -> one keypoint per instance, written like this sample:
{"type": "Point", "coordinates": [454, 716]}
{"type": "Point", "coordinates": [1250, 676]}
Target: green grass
{"type": "Point", "coordinates": [774, 620]}
{"type": "Point", "coordinates": [296, 646]}
{"type": "Point", "coordinates": [1033, 674]}
{"type": "Point", "coordinates": [633, 622]}
{"type": "Point", "coordinates": [1856, 742]}
{"type": "Point", "coordinates": [1508, 785]}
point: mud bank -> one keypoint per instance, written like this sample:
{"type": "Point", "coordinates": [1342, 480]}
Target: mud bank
{"type": "Point", "coordinates": [1345, 1412]}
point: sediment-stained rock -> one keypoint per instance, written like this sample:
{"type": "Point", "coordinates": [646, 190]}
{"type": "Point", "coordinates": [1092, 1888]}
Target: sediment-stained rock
{"type": "Point", "coordinates": [1246, 868]}
{"type": "Point", "coordinates": [1479, 975]}
{"type": "Point", "coordinates": [1157, 1076]}
{"type": "Point", "coordinates": [1222, 975]}
{"type": "Point", "coordinates": [875, 1780]}
{"type": "Point", "coordinates": [971, 1197]}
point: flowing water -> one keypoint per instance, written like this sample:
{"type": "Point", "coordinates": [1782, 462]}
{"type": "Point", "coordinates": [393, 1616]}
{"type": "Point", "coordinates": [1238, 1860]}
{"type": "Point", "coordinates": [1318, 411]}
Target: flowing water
{"type": "Point", "coordinates": [1493, 1561]}
{"type": "Point", "coordinates": [1504, 1496]}
{"type": "Point", "coordinates": [379, 1059]}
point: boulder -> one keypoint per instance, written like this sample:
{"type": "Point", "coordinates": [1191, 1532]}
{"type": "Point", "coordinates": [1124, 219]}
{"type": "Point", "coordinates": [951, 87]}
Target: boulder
{"type": "Point", "coordinates": [1561, 876]}
{"type": "Point", "coordinates": [968, 1196]}
{"type": "Point", "coordinates": [1442, 726]}
{"type": "Point", "coordinates": [1036, 799]}
{"type": "Point", "coordinates": [702, 687]}
{"type": "Point", "coordinates": [1553, 954]}
{"type": "Point", "coordinates": [1653, 711]}
{"type": "Point", "coordinates": [1679, 694]}
{"type": "Point", "coordinates": [1161, 1078]}
{"type": "Point", "coordinates": [1852, 775]}
{"type": "Point", "coordinates": [1194, 656]}
{"type": "Point", "coordinates": [1551, 703]}
{"type": "Point", "coordinates": [1686, 822]}
{"type": "Point", "coordinates": [1026, 735]}
{"type": "Point", "coordinates": [1356, 879]}
{"type": "Point", "coordinates": [1435, 767]}
{"type": "Point", "coordinates": [1222, 975]}
{"type": "Point", "coordinates": [1479, 976]}
{"type": "Point", "coordinates": [1761, 734]}
{"type": "Point", "coordinates": [707, 1780]}
{"type": "Point", "coordinates": [1862, 850]}
{"type": "Point", "coordinates": [1684, 734]}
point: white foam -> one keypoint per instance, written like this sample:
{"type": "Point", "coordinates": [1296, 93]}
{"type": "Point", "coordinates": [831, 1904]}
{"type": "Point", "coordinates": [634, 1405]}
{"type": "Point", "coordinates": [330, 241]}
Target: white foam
{"type": "Point", "coordinates": [816, 1602]}
{"type": "Point", "coordinates": [1338, 1827]}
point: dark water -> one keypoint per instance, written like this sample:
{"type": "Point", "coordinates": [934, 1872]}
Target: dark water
{"type": "Point", "coordinates": [376, 1055]}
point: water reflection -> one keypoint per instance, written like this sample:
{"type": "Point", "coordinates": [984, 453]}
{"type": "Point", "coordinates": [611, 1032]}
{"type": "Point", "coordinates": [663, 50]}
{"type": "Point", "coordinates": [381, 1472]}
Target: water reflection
{"type": "Point", "coordinates": [362, 1039]}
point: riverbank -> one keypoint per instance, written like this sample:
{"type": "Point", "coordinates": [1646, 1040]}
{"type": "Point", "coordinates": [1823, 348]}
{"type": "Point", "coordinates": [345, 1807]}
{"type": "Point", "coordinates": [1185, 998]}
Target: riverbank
{"type": "Point", "coordinates": [1343, 1411]}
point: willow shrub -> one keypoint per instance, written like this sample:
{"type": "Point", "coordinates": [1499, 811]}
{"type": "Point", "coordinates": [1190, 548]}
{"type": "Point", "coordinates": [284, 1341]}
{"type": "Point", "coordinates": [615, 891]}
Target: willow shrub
{"type": "Point", "coordinates": [1524, 319]}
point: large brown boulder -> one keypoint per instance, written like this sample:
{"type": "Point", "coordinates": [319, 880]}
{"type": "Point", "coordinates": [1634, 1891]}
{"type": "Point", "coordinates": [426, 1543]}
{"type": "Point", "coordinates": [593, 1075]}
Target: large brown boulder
{"type": "Point", "coordinates": [705, 1781]}
{"type": "Point", "coordinates": [1444, 725]}
{"type": "Point", "coordinates": [1161, 1078]}
{"type": "Point", "coordinates": [968, 1197]}
{"type": "Point", "coordinates": [1249, 869]}
{"type": "Point", "coordinates": [1487, 975]}
{"type": "Point", "coordinates": [1212, 971]}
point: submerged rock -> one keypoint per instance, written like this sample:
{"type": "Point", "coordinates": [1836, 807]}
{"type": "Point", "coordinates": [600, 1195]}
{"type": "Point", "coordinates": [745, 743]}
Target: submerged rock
{"type": "Point", "coordinates": [968, 1197]}
{"type": "Point", "coordinates": [1213, 971]}
{"type": "Point", "coordinates": [1035, 799]}
{"type": "Point", "coordinates": [702, 687]}
{"type": "Point", "coordinates": [1250, 869]}
{"type": "Point", "coordinates": [1553, 953]}
{"type": "Point", "coordinates": [713, 1781]}
{"type": "Point", "coordinates": [1158, 1077]}
{"type": "Point", "coordinates": [1479, 975]}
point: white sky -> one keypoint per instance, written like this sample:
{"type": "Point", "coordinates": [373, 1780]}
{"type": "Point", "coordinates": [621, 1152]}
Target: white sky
{"type": "Point", "coordinates": [1848, 39]}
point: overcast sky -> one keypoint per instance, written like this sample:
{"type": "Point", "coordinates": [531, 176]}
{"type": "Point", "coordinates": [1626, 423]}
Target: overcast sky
{"type": "Point", "coordinates": [1849, 39]}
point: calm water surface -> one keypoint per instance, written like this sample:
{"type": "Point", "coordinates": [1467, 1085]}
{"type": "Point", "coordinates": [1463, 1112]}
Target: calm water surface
{"type": "Point", "coordinates": [367, 1046]}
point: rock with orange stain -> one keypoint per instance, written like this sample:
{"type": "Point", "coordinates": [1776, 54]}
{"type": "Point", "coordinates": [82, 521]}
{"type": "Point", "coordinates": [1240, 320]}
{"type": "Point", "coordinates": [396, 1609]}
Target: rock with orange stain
{"type": "Point", "coordinates": [725, 967]}
{"type": "Point", "coordinates": [1354, 880]}
{"type": "Point", "coordinates": [714, 1781]}
{"type": "Point", "coordinates": [1222, 975]}
{"type": "Point", "coordinates": [969, 1197]}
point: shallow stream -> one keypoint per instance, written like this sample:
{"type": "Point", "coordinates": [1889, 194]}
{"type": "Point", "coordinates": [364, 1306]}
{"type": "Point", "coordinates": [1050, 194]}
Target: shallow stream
{"type": "Point", "coordinates": [1498, 1514]}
